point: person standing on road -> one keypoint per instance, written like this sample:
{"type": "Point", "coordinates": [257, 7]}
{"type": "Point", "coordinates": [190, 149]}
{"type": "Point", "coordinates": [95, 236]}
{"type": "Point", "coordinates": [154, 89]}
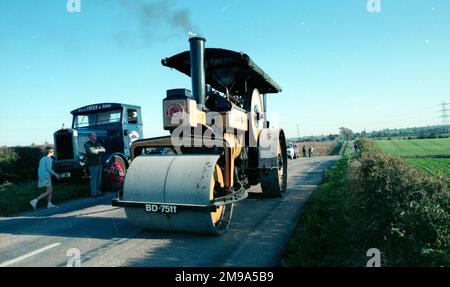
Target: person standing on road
{"type": "Point", "coordinates": [45, 173]}
{"type": "Point", "coordinates": [304, 151]}
{"type": "Point", "coordinates": [94, 153]}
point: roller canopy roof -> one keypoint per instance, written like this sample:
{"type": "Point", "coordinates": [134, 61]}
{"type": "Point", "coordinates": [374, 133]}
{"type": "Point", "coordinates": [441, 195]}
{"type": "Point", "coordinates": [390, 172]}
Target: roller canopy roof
{"type": "Point", "coordinates": [227, 69]}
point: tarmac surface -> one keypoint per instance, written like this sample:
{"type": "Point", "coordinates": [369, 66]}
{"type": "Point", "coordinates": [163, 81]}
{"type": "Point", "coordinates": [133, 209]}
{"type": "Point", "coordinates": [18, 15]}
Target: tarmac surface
{"type": "Point", "coordinates": [90, 232]}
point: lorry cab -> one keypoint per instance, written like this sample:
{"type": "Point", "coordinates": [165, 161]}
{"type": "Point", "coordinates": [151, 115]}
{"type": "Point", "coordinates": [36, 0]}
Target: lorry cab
{"type": "Point", "coordinates": [117, 126]}
{"type": "Point", "coordinates": [122, 123]}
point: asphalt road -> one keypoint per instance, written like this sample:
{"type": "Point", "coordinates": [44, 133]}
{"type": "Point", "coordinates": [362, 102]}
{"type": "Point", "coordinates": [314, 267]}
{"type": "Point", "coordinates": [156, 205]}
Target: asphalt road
{"type": "Point", "coordinates": [90, 232]}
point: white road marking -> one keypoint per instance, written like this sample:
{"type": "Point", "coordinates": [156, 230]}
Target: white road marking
{"type": "Point", "coordinates": [23, 257]}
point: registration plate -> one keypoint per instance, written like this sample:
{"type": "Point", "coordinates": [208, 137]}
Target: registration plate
{"type": "Point", "coordinates": [161, 208]}
{"type": "Point", "coordinates": [64, 174]}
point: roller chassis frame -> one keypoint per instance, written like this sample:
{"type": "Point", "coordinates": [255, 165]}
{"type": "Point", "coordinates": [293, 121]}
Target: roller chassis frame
{"type": "Point", "coordinates": [162, 142]}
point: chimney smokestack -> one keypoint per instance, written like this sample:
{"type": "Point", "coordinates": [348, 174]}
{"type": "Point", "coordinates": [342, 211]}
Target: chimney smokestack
{"type": "Point", "coordinates": [198, 69]}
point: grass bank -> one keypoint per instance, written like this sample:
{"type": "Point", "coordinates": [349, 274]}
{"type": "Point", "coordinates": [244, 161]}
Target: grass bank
{"type": "Point", "coordinates": [16, 197]}
{"type": "Point", "coordinates": [324, 234]}
{"type": "Point", "coordinates": [373, 200]}
{"type": "Point", "coordinates": [18, 180]}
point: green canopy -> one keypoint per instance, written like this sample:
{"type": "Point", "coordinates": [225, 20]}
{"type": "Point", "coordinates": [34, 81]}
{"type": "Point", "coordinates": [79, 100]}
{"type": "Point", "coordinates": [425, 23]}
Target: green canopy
{"type": "Point", "coordinates": [227, 70]}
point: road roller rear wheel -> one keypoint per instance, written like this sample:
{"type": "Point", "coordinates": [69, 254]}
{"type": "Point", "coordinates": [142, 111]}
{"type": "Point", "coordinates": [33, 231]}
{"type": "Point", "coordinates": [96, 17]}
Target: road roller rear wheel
{"type": "Point", "coordinates": [274, 181]}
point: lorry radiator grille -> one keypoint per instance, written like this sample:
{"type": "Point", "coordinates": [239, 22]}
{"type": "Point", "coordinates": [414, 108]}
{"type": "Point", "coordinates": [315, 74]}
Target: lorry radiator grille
{"type": "Point", "coordinates": [64, 147]}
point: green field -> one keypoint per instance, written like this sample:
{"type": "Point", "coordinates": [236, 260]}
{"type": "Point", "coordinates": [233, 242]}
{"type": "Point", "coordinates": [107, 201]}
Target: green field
{"type": "Point", "coordinates": [432, 166]}
{"type": "Point", "coordinates": [411, 148]}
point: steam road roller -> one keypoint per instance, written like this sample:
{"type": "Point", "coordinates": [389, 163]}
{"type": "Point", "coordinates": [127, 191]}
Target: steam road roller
{"type": "Point", "coordinates": [220, 144]}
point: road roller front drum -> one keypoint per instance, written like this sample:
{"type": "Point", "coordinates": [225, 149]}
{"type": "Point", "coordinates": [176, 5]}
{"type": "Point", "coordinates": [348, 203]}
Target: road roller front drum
{"type": "Point", "coordinates": [180, 179]}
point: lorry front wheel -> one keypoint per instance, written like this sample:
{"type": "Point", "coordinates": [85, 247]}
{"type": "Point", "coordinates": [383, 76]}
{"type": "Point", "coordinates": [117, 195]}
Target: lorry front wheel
{"type": "Point", "coordinates": [115, 174]}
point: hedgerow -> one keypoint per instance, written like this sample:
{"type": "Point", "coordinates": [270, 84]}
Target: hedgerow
{"type": "Point", "coordinates": [19, 164]}
{"type": "Point", "coordinates": [373, 200]}
{"type": "Point", "coordinates": [406, 212]}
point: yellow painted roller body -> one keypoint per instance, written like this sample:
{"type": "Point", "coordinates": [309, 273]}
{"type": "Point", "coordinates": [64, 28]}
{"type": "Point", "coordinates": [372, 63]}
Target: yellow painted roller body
{"type": "Point", "coordinates": [176, 179]}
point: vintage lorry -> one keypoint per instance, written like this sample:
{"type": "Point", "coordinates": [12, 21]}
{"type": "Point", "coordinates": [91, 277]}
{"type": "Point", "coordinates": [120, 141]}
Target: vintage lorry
{"type": "Point", "coordinates": [117, 126]}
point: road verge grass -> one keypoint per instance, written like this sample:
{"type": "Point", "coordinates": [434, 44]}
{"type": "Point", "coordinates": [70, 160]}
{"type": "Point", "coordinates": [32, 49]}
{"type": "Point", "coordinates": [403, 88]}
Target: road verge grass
{"type": "Point", "coordinates": [323, 236]}
{"type": "Point", "coordinates": [16, 197]}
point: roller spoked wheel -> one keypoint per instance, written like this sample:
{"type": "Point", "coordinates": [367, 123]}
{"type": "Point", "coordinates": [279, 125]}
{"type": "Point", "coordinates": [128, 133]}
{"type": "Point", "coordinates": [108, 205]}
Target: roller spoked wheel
{"type": "Point", "coordinates": [116, 171]}
{"type": "Point", "coordinates": [222, 216]}
{"type": "Point", "coordinates": [274, 181]}
{"type": "Point", "coordinates": [255, 109]}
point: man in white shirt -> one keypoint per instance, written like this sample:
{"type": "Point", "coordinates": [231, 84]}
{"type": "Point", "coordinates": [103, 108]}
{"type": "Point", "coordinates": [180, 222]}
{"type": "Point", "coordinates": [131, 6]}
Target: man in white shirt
{"type": "Point", "coordinates": [45, 173]}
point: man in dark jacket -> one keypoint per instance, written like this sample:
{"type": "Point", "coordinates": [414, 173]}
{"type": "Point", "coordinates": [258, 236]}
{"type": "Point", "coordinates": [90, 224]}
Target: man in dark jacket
{"type": "Point", "coordinates": [93, 160]}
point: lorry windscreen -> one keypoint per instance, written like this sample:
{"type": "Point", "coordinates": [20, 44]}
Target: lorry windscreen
{"type": "Point", "coordinates": [95, 119]}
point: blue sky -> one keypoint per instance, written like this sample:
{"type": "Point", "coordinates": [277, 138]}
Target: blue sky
{"type": "Point", "coordinates": [338, 64]}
